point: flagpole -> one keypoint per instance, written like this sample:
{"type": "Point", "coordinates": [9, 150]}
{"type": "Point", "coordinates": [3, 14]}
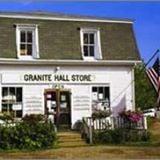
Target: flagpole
{"type": "Point", "coordinates": [146, 64]}
{"type": "Point", "coordinates": [151, 58]}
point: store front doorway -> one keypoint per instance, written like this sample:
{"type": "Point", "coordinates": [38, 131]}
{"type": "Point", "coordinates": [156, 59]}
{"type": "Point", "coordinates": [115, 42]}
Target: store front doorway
{"type": "Point", "coordinates": [58, 107]}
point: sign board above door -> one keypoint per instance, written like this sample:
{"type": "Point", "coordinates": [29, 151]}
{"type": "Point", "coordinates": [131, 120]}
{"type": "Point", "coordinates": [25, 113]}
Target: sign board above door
{"type": "Point", "coordinates": [52, 78]}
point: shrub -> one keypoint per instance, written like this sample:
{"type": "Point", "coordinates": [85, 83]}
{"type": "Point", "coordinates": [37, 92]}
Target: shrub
{"type": "Point", "coordinates": [102, 137]}
{"type": "Point", "coordinates": [28, 136]}
{"type": "Point", "coordinates": [151, 121]}
{"type": "Point", "coordinates": [6, 117]}
{"type": "Point", "coordinates": [145, 136]}
{"type": "Point", "coordinates": [119, 136]}
{"type": "Point", "coordinates": [33, 118]}
{"type": "Point", "coordinates": [132, 116]}
{"type": "Point", "coordinates": [107, 136]}
{"type": "Point", "coordinates": [101, 114]}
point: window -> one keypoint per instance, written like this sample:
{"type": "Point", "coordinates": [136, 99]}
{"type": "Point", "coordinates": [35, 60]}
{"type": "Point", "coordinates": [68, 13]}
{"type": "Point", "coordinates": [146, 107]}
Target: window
{"type": "Point", "coordinates": [12, 100]}
{"type": "Point", "coordinates": [100, 98]}
{"type": "Point", "coordinates": [90, 44]}
{"type": "Point", "coordinates": [27, 41]}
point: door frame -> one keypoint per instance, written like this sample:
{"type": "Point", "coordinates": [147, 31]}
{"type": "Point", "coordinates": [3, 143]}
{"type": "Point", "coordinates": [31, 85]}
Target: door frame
{"type": "Point", "coordinates": [57, 91]}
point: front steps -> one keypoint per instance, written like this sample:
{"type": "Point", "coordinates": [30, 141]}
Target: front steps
{"type": "Point", "coordinates": [70, 139]}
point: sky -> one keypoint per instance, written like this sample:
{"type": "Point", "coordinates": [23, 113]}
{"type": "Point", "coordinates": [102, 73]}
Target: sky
{"type": "Point", "coordinates": [146, 16]}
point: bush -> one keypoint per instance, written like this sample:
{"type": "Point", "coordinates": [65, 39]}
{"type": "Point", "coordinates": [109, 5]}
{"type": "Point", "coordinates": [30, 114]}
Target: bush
{"type": "Point", "coordinates": [131, 116]}
{"type": "Point", "coordinates": [102, 137]}
{"type": "Point", "coordinates": [119, 136]}
{"type": "Point", "coordinates": [146, 136]}
{"type": "Point", "coordinates": [151, 121]}
{"type": "Point", "coordinates": [33, 118]}
{"type": "Point", "coordinates": [28, 136]}
{"type": "Point", "coordinates": [6, 117]}
{"type": "Point", "coordinates": [101, 114]}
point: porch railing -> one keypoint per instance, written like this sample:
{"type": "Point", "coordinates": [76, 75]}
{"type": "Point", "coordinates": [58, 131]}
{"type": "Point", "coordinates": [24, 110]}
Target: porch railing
{"type": "Point", "coordinates": [120, 122]}
{"type": "Point", "coordinates": [90, 125]}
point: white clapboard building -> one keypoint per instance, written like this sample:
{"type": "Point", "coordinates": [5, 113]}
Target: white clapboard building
{"type": "Point", "coordinates": [66, 66]}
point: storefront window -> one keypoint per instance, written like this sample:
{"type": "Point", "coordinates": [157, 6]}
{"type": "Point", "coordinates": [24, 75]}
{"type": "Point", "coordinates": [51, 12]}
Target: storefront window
{"type": "Point", "coordinates": [12, 100]}
{"type": "Point", "coordinates": [100, 98]}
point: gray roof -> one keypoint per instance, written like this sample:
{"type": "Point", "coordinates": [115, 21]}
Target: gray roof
{"type": "Point", "coordinates": [60, 39]}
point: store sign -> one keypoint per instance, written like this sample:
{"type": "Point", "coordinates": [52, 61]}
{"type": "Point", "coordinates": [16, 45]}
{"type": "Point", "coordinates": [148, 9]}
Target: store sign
{"type": "Point", "coordinates": [52, 78]}
{"type": "Point", "coordinates": [58, 78]}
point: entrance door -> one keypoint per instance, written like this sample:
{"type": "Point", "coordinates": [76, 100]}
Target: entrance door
{"type": "Point", "coordinates": [64, 108]}
{"type": "Point", "coordinates": [50, 97]}
{"type": "Point", "coordinates": [58, 106]}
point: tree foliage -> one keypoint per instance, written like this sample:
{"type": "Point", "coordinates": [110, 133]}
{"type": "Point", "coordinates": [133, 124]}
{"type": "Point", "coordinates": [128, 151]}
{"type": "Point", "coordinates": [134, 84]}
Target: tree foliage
{"type": "Point", "coordinates": [145, 94]}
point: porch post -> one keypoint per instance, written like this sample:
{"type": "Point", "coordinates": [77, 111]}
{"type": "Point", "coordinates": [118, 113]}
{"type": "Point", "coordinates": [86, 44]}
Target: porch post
{"type": "Point", "coordinates": [90, 131]}
{"type": "Point", "coordinates": [145, 122]}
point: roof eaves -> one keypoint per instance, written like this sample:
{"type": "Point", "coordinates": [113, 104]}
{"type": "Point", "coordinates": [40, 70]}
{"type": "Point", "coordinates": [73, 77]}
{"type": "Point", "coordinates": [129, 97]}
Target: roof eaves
{"type": "Point", "coordinates": [43, 16]}
{"type": "Point", "coordinates": [70, 62]}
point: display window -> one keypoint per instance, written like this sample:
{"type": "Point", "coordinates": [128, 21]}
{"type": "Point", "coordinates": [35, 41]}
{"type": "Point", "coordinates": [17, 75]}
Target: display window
{"type": "Point", "coordinates": [12, 100]}
{"type": "Point", "coordinates": [100, 98]}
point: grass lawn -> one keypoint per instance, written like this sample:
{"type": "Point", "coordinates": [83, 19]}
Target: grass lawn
{"type": "Point", "coordinates": [154, 128]}
{"type": "Point", "coordinates": [149, 151]}
{"type": "Point", "coordinates": [90, 152]}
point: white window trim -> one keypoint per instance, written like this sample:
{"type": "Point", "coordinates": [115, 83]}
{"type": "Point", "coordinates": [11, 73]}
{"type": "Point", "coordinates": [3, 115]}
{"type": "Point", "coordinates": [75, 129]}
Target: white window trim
{"type": "Point", "coordinates": [35, 51]}
{"type": "Point", "coordinates": [98, 52]}
{"type": "Point", "coordinates": [15, 86]}
{"type": "Point", "coordinates": [102, 85]}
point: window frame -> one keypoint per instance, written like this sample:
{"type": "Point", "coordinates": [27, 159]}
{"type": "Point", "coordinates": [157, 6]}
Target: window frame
{"type": "Point", "coordinates": [10, 103]}
{"type": "Point", "coordinates": [102, 100]}
{"type": "Point", "coordinates": [35, 43]}
{"type": "Point", "coordinates": [97, 43]}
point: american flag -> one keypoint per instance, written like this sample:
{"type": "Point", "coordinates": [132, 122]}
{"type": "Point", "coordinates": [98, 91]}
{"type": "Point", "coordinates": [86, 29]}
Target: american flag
{"type": "Point", "coordinates": [154, 76]}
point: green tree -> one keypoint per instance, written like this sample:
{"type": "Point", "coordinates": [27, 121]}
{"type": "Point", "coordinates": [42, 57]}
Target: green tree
{"type": "Point", "coordinates": [145, 94]}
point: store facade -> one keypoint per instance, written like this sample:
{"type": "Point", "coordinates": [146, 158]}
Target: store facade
{"type": "Point", "coordinates": [67, 88]}
{"type": "Point", "coordinates": [34, 89]}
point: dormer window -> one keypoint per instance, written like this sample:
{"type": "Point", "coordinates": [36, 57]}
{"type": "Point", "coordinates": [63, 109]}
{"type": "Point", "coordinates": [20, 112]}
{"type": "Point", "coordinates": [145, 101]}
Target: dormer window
{"type": "Point", "coordinates": [90, 44]}
{"type": "Point", "coordinates": [27, 41]}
